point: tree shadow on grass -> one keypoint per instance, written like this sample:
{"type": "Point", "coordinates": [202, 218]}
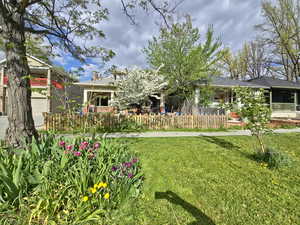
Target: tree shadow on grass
{"type": "Point", "coordinates": [222, 143]}
{"type": "Point", "coordinates": [201, 218]}
{"type": "Point", "coordinates": [227, 145]}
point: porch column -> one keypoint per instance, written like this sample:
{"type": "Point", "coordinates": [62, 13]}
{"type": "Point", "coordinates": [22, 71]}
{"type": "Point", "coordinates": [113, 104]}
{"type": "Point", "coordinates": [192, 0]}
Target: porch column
{"type": "Point", "coordinates": [49, 90]}
{"type": "Point", "coordinates": [112, 95]}
{"type": "Point", "coordinates": [197, 96]}
{"type": "Point", "coordinates": [231, 95]}
{"type": "Point", "coordinates": [271, 98]}
{"type": "Point", "coordinates": [2, 77]}
{"type": "Point", "coordinates": [2, 91]}
{"type": "Point", "coordinates": [295, 100]}
{"type": "Point", "coordinates": [85, 97]}
{"type": "Point", "coordinates": [238, 103]}
{"type": "Point", "coordinates": [162, 103]}
{"type": "Point", "coordinates": [4, 101]}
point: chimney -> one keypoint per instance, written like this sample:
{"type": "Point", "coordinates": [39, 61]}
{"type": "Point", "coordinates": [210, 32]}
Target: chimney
{"type": "Point", "coordinates": [95, 76]}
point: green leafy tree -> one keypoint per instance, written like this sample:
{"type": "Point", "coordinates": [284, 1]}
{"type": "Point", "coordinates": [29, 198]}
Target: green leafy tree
{"type": "Point", "coordinates": [281, 32]}
{"type": "Point", "coordinates": [62, 23]}
{"type": "Point", "coordinates": [184, 57]}
{"type": "Point", "coordinates": [255, 111]}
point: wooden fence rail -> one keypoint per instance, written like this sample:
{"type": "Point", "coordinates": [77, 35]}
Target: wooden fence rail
{"type": "Point", "coordinates": [65, 122]}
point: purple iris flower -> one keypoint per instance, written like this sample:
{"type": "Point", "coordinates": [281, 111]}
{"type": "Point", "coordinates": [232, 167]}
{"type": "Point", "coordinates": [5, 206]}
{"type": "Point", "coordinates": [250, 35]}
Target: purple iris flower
{"type": "Point", "coordinates": [114, 168]}
{"type": "Point", "coordinates": [134, 160]}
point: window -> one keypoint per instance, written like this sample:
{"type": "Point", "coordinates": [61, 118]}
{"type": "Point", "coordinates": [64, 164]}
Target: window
{"type": "Point", "coordinates": [102, 101]}
{"type": "Point", "coordinates": [283, 96]}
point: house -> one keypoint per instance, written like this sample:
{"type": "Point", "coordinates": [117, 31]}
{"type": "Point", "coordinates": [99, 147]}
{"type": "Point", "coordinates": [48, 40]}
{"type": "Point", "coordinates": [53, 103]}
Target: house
{"type": "Point", "coordinates": [282, 96]}
{"type": "Point", "coordinates": [98, 93]}
{"type": "Point", "coordinates": [49, 90]}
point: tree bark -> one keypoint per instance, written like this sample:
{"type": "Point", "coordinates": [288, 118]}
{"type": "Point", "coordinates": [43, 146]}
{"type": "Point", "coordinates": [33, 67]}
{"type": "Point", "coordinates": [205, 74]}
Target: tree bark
{"type": "Point", "coordinates": [261, 144]}
{"type": "Point", "coordinates": [21, 127]}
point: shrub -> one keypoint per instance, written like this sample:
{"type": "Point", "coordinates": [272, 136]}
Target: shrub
{"type": "Point", "coordinates": [272, 158]}
{"type": "Point", "coordinates": [69, 181]}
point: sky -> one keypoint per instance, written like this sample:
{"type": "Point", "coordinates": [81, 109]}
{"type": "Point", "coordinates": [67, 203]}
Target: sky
{"type": "Point", "coordinates": [233, 22]}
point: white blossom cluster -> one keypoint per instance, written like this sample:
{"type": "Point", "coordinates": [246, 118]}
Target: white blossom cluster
{"type": "Point", "coordinates": [137, 86]}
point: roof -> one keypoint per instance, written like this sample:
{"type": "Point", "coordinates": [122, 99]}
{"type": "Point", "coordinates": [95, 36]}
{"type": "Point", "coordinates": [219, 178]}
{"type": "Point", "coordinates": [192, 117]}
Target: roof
{"type": "Point", "coordinates": [106, 81]}
{"type": "Point", "coordinates": [34, 58]}
{"type": "Point", "coordinates": [229, 83]}
{"type": "Point", "coordinates": [275, 83]}
{"type": "Point", "coordinates": [44, 66]}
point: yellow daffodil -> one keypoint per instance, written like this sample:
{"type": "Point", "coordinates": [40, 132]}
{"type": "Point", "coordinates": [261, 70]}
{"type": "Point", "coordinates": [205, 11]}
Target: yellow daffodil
{"type": "Point", "coordinates": [106, 196]}
{"type": "Point", "coordinates": [93, 190]}
{"type": "Point", "coordinates": [100, 185]}
{"type": "Point", "coordinates": [85, 198]}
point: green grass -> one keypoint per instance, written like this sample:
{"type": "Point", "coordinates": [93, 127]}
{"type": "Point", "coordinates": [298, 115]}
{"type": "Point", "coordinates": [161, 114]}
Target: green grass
{"type": "Point", "coordinates": [214, 180]}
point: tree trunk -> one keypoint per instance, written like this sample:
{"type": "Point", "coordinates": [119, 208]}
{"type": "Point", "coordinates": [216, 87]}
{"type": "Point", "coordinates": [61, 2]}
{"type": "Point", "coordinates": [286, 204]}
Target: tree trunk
{"type": "Point", "coordinates": [21, 127]}
{"type": "Point", "coordinates": [261, 144]}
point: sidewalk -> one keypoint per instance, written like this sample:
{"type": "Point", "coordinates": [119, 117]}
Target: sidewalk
{"type": "Point", "coordinates": [159, 134]}
{"type": "Point", "coordinates": [194, 134]}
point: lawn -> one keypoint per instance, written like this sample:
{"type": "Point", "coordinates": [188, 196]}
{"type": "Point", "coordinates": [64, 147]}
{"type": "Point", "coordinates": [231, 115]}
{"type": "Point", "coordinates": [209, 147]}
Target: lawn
{"type": "Point", "coordinates": [213, 180]}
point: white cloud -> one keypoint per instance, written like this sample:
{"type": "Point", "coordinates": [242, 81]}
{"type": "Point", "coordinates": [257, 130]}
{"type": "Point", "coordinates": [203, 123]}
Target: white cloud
{"type": "Point", "coordinates": [89, 68]}
{"type": "Point", "coordinates": [233, 21]}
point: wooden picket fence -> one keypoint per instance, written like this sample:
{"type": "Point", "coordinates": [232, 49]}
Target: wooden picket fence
{"type": "Point", "coordinates": [65, 122]}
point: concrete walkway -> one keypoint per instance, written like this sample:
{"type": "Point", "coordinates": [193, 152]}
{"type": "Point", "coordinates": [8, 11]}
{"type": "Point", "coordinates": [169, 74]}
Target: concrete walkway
{"type": "Point", "coordinates": [194, 134]}
{"type": "Point", "coordinates": [174, 134]}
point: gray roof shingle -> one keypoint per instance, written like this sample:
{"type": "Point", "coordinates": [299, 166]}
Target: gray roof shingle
{"type": "Point", "coordinates": [227, 82]}
{"type": "Point", "coordinates": [275, 83]}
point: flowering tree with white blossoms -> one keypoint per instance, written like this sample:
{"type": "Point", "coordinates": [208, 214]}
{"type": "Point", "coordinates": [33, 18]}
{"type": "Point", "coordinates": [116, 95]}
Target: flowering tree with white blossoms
{"type": "Point", "coordinates": [136, 88]}
{"type": "Point", "coordinates": [255, 111]}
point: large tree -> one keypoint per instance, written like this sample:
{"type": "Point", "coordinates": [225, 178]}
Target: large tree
{"type": "Point", "coordinates": [252, 61]}
{"type": "Point", "coordinates": [233, 65]}
{"type": "Point", "coordinates": [281, 31]}
{"type": "Point", "coordinates": [184, 57]}
{"type": "Point", "coordinates": [62, 23]}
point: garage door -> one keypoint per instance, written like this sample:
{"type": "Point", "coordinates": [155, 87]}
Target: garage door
{"type": "Point", "coordinates": [39, 105]}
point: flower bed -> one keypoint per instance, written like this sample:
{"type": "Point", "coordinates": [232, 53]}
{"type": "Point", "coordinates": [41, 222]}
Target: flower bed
{"type": "Point", "coordinates": [67, 181]}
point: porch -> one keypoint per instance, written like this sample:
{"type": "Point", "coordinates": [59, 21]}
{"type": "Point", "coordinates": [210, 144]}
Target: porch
{"type": "Point", "coordinates": [284, 103]}
{"type": "Point", "coordinates": [98, 101]}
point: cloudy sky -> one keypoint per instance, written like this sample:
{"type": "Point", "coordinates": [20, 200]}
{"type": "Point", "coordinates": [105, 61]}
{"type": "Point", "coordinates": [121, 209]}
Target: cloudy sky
{"type": "Point", "coordinates": [233, 21]}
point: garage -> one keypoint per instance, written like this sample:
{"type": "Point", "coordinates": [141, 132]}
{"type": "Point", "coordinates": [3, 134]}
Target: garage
{"type": "Point", "coordinates": [39, 105]}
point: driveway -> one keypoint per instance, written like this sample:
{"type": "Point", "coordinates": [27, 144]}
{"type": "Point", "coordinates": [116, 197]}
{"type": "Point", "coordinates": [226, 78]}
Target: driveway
{"type": "Point", "coordinates": [38, 121]}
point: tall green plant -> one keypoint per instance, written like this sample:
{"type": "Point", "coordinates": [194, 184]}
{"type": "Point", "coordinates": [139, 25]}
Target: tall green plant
{"type": "Point", "coordinates": [253, 108]}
